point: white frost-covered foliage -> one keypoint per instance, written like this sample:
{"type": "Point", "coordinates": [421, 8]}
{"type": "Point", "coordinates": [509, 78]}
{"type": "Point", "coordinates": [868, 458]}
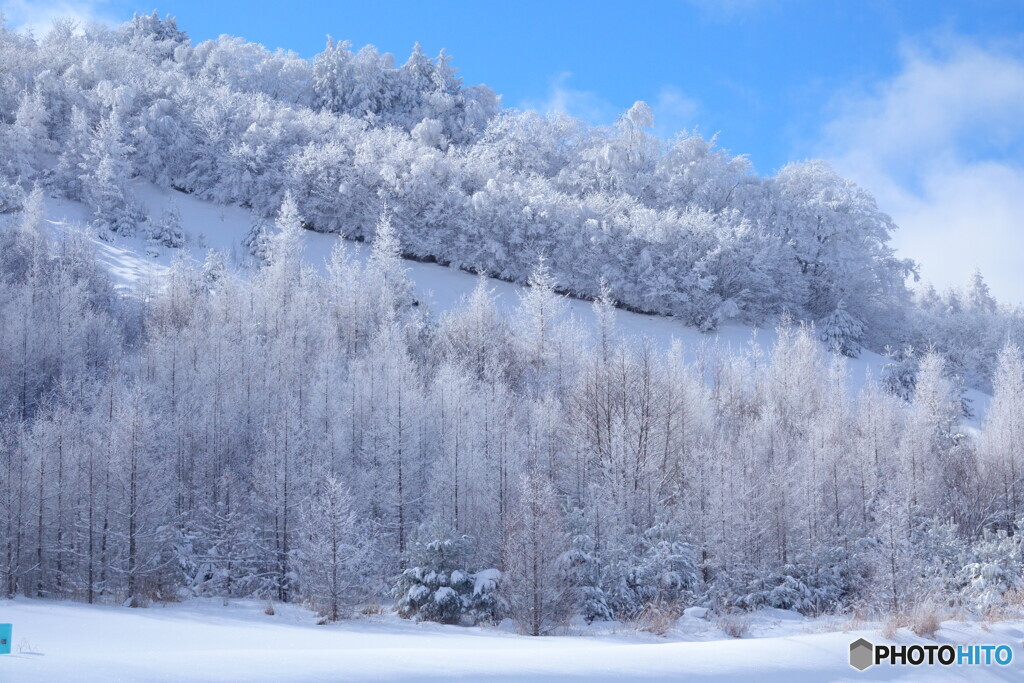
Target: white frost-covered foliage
{"type": "Point", "coordinates": [819, 584]}
{"type": "Point", "coordinates": [968, 327]}
{"type": "Point", "coordinates": [423, 95]}
{"type": "Point", "coordinates": [167, 230]}
{"type": "Point", "coordinates": [995, 570]}
{"type": "Point", "coordinates": [655, 571]}
{"type": "Point", "coordinates": [106, 171]}
{"type": "Point", "coordinates": [899, 375]}
{"type": "Point", "coordinates": [841, 332]}
{"type": "Point", "coordinates": [288, 435]}
{"type": "Point", "coordinates": [257, 241]}
{"type": "Point", "coordinates": [675, 227]}
{"type": "Point", "coordinates": [441, 586]}
{"type": "Point", "coordinates": [334, 547]}
{"type": "Point", "coordinates": [537, 581]}
{"type": "Point", "coordinates": [12, 198]}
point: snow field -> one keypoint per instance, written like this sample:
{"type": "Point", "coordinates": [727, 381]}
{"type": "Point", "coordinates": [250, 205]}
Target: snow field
{"type": "Point", "coordinates": [202, 640]}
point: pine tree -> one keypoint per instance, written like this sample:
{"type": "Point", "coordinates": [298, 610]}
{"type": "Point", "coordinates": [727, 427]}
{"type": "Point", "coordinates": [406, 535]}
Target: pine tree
{"type": "Point", "coordinates": [74, 155]}
{"type": "Point", "coordinates": [438, 584]}
{"type": "Point", "coordinates": [257, 242]}
{"type": "Point", "coordinates": [27, 139]}
{"type": "Point", "coordinates": [12, 198]}
{"type": "Point", "coordinates": [979, 297]}
{"type": "Point", "coordinates": [841, 332]}
{"type": "Point", "coordinates": [386, 265]}
{"type": "Point", "coordinates": [167, 231]}
{"type": "Point", "coordinates": [106, 173]}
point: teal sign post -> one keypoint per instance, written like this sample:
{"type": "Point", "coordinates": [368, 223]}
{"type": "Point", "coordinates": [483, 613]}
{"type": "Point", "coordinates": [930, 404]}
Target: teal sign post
{"type": "Point", "coordinates": [5, 639]}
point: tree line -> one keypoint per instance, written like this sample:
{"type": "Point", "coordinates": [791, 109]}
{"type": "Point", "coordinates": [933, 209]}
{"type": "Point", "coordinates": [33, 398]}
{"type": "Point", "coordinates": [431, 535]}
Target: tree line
{"type": "Point", "coordinates": [323, 438]}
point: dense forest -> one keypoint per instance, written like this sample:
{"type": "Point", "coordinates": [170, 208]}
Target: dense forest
{"type": "Point", "coordinates": [678, 228]}
{"type": "Point", "coordinates": [298, 436]}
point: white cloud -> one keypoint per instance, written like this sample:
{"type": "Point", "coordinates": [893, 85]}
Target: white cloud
{"type": "Point", "coordinates": [582, 104]}
{"type": "Point", "coordinates": [39, 16]}
{"type": "Point", "coordinates": [673, 110]}
{"type": "Point", "coordinates": [941, 145]}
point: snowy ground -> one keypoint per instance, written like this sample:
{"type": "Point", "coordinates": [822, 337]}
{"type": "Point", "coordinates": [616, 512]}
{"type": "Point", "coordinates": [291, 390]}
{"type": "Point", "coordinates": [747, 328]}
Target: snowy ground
{"type": "Point", "coordinates": [205, 641]}
{"type": "Point", "coordinates": [212, 226]}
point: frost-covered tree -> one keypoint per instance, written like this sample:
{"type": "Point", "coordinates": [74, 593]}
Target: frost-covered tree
{"type": "Point", "coordinates": [899, 375]}
{"type": "Point", "coordinates": [12, 197]}
{"type": "Point", "coordinates": [285, 248]}
{"type": "Point", "coordinates": [387, 267]}
{"type": "Point", "coordinates": [333, 546]}
{"type": "Point", "coordinates": [439, 584]}
{"type": "Point", "coordinates": [74, 154]}
{"type": "Point", "coordinates": [541, 310]}
{"type": "Point", "coordinates": [151, 35]}
{"type": "Point", "coordinates": [536, 580]}
{"type": "Point", "coordinates": [1004, 431]}
{"type": "Point", "coordinates": [331, 75]}
{"type": "Point", "coordinates": [167, 230]}
{"type": "Point", "coordinates": [257, 241]}
{"type": "Point", "coordinates": [993, 572]}
{"type": "Point", "coordinates": [840, 241]}
{"type": "Point", "coordinates": [841, 332]}
{"type": "Point", "coordinates": [979, 297]}
{"type": "Point", "coordinates": [26, 140]}
{"type": "Point", "coordinates": [106, 172]}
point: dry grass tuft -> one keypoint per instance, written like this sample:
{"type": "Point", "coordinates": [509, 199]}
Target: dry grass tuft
{"type": "Point", "coordinates": [925, 622]}
{"type": "Point", "coordinates": [734, 625]}
{"type": "Point", "coordinates": [891, 626]}
{"type": "Point", "coordinates": [372, 609]}
{"type": "Point", "coordinates": [659, 618]}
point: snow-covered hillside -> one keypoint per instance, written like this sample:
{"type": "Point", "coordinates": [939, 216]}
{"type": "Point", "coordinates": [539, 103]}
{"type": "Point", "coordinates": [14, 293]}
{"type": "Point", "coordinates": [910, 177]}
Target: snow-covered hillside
{"type": "Point", "coordinates": [202, 400]}
{"type": "Point", "coordinates": [204, 641]}
{"type": "Point", "coordinates": [133, 261]}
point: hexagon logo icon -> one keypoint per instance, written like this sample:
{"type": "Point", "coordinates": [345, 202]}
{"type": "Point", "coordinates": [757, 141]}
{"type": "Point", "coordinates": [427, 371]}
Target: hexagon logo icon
{"type": "Point", "coordinates": [862, 654]}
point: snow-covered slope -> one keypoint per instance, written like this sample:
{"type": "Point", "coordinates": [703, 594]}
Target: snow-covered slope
{"type": "Point", "coordinates": [204, 641]}
{"type": "Point", "coordinates": [213, 226]}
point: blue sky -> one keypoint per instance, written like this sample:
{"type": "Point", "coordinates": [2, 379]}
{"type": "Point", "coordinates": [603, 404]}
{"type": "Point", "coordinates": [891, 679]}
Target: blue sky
{"type": "Point", "coordinates": [921, 102]}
